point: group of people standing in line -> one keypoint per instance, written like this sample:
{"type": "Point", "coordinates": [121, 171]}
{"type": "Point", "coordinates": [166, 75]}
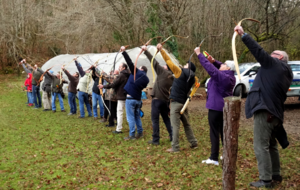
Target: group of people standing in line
{"type": "Point", "coordinates": [170, 92]}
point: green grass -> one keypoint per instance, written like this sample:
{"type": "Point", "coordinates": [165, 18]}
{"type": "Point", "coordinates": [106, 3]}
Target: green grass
{"type": "Point", "coordinates": [45, 150]}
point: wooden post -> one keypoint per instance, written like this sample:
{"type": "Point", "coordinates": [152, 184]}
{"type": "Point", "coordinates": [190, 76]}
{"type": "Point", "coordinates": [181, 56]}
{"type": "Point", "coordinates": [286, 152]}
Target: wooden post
{"type": "Point", "coordinates": [231, 117]}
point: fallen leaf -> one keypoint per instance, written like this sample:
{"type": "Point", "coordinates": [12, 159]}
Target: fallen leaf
{"type": "Point", "coordinates": [160, 184]}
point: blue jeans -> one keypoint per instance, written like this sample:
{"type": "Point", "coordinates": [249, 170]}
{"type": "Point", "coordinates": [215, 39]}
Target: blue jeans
{"type": "Point", "coordinates": [133, 116]}
{"type": "Point", "coordinates": [36, 94]}
{"type": "Point", "coordinates": [84, 99]}
{"type": "Point", "coordinates": [28, 95]}
{"type": "Point", "coordinates": [30, 98]}
{"type": "Point", "coordinates": [96, 98]}
{"type": "Point", "coordinates": [72, 102]}
{"type": "Point", "coordinates": [61, 103]}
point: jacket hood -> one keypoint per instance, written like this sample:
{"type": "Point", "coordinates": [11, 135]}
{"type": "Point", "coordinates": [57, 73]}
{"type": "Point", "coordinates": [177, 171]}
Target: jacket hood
{"type": "Point", "coordinates": [30, 76]}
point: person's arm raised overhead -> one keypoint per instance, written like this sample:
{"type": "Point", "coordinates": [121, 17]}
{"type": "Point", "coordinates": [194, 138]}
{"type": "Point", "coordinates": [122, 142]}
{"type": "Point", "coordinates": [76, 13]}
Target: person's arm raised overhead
{"type": "Point", "coordinates": [158, 69]}
{"type": "Point", "coordinates": [174, 68]}
{"type": "Point", "coordinates": [79, 67]}
{"type": "Point", "coordinates": [257, 51]}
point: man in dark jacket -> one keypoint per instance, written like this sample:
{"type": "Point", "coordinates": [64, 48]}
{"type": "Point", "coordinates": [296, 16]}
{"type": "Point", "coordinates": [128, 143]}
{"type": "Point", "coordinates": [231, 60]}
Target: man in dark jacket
{"type": "Point", "coordinates": [266, 102]}
{"type": "Point", "coordinates": [96, 96]}
{"type": "Point", "coordinates": [57, 84]}
{"type": "Point", "coordinates": [160, 98]}
{"type": "Point", "coordinates": [220, 85]}
{"type": "Point", "coordinates": [110, 98]}
{"type": "Point", "coordinates": [179, 94]}
{"type": "Point", "coordinates": [118, 84]}
{"type": "Point", "coordinates": [133, 102]}
{"type": "Point", "coordinates": [74, 79]}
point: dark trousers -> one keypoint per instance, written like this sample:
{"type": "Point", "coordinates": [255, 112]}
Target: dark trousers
{"type": "Point", "coordinates": [112, 106]}
{"type": "Point", "coordinates": [215, 119]}
{"type": "Point", "coordinates": [160, 107]}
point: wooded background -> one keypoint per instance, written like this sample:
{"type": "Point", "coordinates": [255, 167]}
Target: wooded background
{"type": "Point", "coordinates": [41, 29]}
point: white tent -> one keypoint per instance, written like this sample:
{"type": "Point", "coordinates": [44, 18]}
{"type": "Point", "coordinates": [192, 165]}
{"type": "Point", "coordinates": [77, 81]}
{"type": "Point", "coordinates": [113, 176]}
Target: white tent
{"type": "Point", "coordinates": [106, 61]}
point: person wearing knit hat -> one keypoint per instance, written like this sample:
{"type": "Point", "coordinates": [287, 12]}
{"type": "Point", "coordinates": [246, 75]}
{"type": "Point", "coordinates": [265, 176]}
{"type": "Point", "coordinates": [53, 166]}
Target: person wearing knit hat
{"type": "Point", "coordinates": [220, 86]}
{"type": "Point", "coordinates": [179, 94]}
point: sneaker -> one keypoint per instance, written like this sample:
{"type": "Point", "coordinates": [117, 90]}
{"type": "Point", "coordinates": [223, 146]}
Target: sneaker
{"type": "Point", "coordinates": [35, 108]}
{"type": "Point", "coordinates": [171, 150]}
{"type": "Point", "coordinates": [129, 138]}
{"type": "Point", "coordinates": [194, 146]}
{"type": "Point", "coordinates": [153, 143]}
{"type": "Point", "coordinates": [139, 135]}
{"type": "Point", "coordinates": [70, 113]}
{"type": "Point", "coordinates": [209, 161]}
{"type": "Point", "coordinates": [261, 183]}
{"type": "Point", "coordinates": [80, 117]}
{"type": "Point", "coordinates": [103, 120]}
{"type": "Point", "coordinates": [46, 110]}
{"type": "Point", "coordinates": [277, 178]}
{"type": "Point", "coordinates": [117, 132]}
{"type": "Point", "coordinates": [53, 111]}
{"type": "Point", "coordinates": [63, 110]}
{"type": "Point", "coordinates": [95, 118]}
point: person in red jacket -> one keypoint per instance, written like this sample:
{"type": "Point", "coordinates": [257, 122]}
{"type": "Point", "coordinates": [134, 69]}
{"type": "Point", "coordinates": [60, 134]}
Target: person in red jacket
{"type": "Point", "coordinates": [28, 84]}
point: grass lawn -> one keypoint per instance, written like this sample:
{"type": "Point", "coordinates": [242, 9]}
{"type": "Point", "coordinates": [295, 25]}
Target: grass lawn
{"type": "Point", "coordinates": [45, 150]}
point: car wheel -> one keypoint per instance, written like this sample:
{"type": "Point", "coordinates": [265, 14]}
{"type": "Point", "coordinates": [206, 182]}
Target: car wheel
{"type": "Point", "coordinates": [238, 90]}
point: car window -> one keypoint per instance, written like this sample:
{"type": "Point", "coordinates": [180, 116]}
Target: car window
{"type": "Point", "coordinates": [255, 69]}
{"type": "Point", "coordinates": [295, 67]}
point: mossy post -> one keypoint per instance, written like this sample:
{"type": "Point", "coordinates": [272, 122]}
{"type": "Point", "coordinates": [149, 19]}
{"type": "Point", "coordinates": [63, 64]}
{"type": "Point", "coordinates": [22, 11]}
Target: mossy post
{"type": "Point", "coordinates": [231, 117]}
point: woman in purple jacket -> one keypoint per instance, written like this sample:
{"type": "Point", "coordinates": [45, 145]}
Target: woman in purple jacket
{"type": "Point", "coordinates": [220, 86]}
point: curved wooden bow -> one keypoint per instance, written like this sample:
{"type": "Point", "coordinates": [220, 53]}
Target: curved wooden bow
{"type": "Point", "coordinates": [236, 64]}
{"type": "Point", "coordinates": [101, 93]}
{"type": "Point", "coordinates": [114, 67]}
{"type": "Point", "coordinates": [146, 44]}
{"type": "Point", "coordinates": [65, 65]}
{"type": "Point", "coordinates": [197, 84]}
{"type": "Point", "coordinates": [41, 78]}
{"type": "Point", "coordinates": [200, 47]}
{"type": "Point", "coordinates": [158, 51]}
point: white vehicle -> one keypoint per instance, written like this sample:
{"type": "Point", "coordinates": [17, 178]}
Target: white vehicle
{"type": "Point", "coordinates": [248, 73]}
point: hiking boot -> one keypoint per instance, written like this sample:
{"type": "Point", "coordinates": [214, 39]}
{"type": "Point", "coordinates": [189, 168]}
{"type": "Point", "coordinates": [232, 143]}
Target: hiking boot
{"type": "Point", "coordinates": [103, 120]}
{"type": "Point", "coordinates": [209, 161]}
{"type": "Point", "coordinates": [95, 118]}
{"type": "Point", "coordinates": [46, 109]}
{"type": "Point", "coordinates": [153, 143]}
{"type": "Point", "coordinates": [139, 135]}
{"type": "Point", "coordinates": [171, 150]}
{"type": "Point", "coordinates": [194, 146]}
{"type": "Point", "coordinates": [277, 178]}
{"type": "Point", "coordinates": [129, 138]}
{"type": "Point", "coordinates": [261, 183]}
{"type": "Point", "coordinates": [53, 111]}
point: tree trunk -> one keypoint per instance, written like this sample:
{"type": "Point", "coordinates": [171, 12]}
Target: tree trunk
{"type": "Point", "coordinates": [232, 109]}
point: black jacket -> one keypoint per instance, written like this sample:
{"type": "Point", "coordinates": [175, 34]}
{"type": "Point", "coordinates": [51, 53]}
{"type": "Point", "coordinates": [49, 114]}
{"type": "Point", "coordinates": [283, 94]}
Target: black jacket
{"type": "Point", "coordinates": [119, 83]}
{"type": "Point", "coordinates": [271, 83]}
{"type": "Point", "coordinates": [181, 88]}
{"type": "Point", "coordinates": [96, 81]}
